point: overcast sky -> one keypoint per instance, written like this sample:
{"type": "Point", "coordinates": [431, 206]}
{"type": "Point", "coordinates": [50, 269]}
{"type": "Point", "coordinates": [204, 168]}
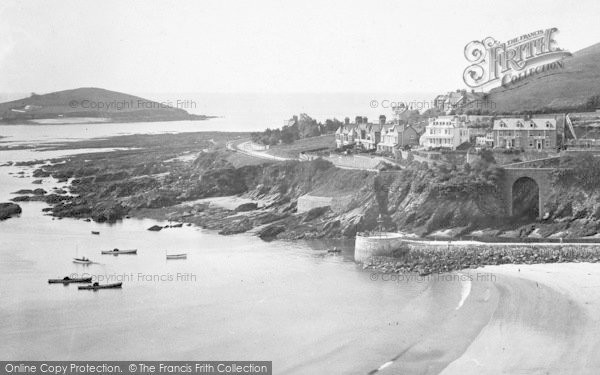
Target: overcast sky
{"type": "Point", "coordinates": [265, 46]}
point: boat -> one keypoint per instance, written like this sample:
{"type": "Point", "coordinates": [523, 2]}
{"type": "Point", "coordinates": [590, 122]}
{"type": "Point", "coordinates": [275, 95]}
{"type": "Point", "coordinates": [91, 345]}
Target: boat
{"type": "Point", "coordinates": [96, 286]}
{"type": "Point", "coordinates": [82, 260]}
{"type": "Point", "coordinates": [176, 256]}
{"type": "Point", "coordinates": [334, 250]}
{"type": "Point", "coordinates": [68, 280]}
{"type": "Point", "coordinates": [95, 232]}
{"type": "Point", "coordinates": [117, 251]}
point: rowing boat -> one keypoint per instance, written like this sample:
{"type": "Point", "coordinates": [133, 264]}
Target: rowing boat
{"type": "Point", "coordinates": [176, 256]}
{"type": "Point", "coordinates": [95, 232]}
{"type": "Point", "coordinates": [96, 286]}
{"type": "Point", "coordinates": [68, 280]}
{"type": "Point", "coordinates": [83, 260]}
{"type": "Point", "coordinates": [117, 251]}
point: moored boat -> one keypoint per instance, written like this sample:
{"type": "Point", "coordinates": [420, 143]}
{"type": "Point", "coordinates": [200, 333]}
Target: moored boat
{"type": "Point", "coordinates": [118, 251]}
{"type": "Point", "coordinates": [96, 286]}
{"type": "Point", "coordinates": [95, 232]}
{"type": "Point", "coordinates": [69, 280]}
{"type": "Point", "coordinates": [176, 256]}
{"type": "Point", "coordinates": [82, 260]}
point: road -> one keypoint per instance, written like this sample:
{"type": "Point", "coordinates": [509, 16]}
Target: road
{"type": "Point", "coordinates": [358, 162]}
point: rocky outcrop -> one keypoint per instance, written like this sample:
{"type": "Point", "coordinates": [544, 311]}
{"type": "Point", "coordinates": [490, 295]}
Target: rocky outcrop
{"type": "Point", "coordinates": [8, 210]}
{"type": "Point", "coordinates": [251, 206]}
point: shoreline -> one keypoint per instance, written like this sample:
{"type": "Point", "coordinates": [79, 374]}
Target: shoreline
{"type": "Point", "coordinates": [558, 313]}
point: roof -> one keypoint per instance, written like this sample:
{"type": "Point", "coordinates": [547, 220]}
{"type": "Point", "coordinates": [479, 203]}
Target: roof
{"type": "Point", "coordinates": [454, 97]}
{"type": "Point", "coordinates": [521, 124]}
{"type": "Point", "coordinates": [346, 129]}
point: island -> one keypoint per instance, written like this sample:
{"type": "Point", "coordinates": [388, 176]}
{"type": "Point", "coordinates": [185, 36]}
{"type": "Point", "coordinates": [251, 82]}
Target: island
{"type": "Point", "coordinates": [92, 105]}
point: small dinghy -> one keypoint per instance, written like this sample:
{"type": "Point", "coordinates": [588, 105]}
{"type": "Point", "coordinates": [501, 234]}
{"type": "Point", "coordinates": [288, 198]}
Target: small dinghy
{"type": "Point", "coordinates": [117, 251]}
{"type": "Point", "coordinates": [95, 232]}
{"type": "Point", "coordinates": [82, 260]}
{"type": "Point", "coordinates": [96, 286]}
{"type": "Point", "coordinates": [68, 280]}
{"type": "Point", "coordinates": [334, 250]}
{"type": "Point", "coordinates": [176, 256]}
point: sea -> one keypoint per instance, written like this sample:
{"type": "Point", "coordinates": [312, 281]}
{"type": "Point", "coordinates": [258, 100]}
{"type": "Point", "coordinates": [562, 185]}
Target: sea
{"type": "Point", "coordinates": [234, 297]}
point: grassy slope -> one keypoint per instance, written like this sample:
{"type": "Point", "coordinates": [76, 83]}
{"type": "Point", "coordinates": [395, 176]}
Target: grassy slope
{"type": "Point", "coordinates": [555, 89]}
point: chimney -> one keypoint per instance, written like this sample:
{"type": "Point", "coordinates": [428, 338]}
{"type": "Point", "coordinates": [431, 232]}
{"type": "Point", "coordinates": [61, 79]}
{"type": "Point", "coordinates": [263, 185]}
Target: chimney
{"type": "Point", "coordinates": [382, 120]}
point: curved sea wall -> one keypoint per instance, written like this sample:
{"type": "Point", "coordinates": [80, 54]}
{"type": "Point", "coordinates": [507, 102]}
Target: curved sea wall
{"type": "Point", "coordinates": [385, 244]}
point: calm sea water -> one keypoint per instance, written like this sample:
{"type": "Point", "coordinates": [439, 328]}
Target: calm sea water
{"type": "Point", "coordinates": [237, 112]}
{"type": "Point", "coordinates": [235, 297]}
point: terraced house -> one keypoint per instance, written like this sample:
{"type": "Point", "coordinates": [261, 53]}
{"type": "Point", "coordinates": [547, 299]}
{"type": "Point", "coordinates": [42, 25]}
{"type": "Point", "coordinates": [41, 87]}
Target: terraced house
{"type": "Point", "coordinates": [360, 133]}
{"type": "Point", "coordinates": [534, 134]}
{"type": "Point", "coordinates": [397, 136]}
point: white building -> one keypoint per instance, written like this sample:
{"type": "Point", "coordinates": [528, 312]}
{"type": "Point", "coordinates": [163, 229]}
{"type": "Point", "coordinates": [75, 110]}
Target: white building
{"type": "Point", "coordinates": [486, 140]}
{"type": "Point", "coordinates": [445, 132]}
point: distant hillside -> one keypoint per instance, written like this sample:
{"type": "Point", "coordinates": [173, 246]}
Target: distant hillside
{"type": "Point", "coordinates": [89, 102]}
{"type": "Point", "coordinates": [576, 87]}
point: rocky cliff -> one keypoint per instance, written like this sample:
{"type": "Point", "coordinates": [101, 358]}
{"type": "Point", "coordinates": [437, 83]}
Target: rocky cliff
{"type": "Point", "coordinates": [421, 199]}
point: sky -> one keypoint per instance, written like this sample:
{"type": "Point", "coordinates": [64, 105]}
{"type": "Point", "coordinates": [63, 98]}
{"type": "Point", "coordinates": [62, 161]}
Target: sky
{"type": "Point", "coordinates": [265, 46]}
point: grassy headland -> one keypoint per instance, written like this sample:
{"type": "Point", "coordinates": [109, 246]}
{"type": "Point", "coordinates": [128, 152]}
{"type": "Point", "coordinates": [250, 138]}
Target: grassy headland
{"type": "Point", "coordinates": [90, 105]}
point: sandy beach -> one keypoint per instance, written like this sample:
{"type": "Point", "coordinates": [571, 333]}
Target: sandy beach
{"type": "Point", "coordinates": [546, 322]}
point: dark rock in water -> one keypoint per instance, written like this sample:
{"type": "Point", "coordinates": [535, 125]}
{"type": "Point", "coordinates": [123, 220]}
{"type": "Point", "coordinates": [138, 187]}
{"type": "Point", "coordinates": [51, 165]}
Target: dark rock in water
{"type": "Point", "coordinates": [238, 226]}
{"type": "Point", "coordinates": [41, 173]}
{"type": "Point", "coordinates": [9, 209]}
{"type": "Point", "coordinates": [177, 225]}
{"type": "Point", "coordinates": [155, 228]}
{"type": "Point", "coordinates": [39, 192]}
{"type": "Point", "coordinates": [54, 198]}
{"type": "Point", "coordinates": [108, 212]}
{"type": "Point", "coordinates": [246, 207]}
{"type": "Point", "coordinates": [22, 198]}
{"type": "Point", "coordinates": [37, 182]}
{"type": "Point", "coordinates": [270, 232]}
{"type": "Point", "coordinates": [23, 191]}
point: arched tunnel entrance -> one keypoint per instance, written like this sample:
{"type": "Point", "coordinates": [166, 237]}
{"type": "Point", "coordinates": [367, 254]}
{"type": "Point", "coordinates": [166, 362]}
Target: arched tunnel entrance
{"type": "Point", "coordinates": [525, 198]}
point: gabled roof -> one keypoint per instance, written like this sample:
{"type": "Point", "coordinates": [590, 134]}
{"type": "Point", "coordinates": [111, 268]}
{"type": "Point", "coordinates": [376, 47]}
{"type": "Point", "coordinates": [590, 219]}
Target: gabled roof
{"type": "Point", "coordinates": [346, 129]}
{"type": "Point", "coordinates": [521, 124]}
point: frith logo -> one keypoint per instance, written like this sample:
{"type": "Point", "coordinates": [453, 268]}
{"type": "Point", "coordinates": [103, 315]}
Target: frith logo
{"type": "Point", "coordinates": [494, 63]}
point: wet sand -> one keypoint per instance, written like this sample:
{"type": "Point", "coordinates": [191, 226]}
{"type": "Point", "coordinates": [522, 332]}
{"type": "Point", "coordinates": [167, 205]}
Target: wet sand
{"type": "Point", "coordinates": [546, 321]}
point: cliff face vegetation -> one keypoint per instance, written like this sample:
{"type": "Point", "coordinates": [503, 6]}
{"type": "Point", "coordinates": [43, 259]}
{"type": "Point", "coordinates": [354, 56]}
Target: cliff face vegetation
{"type": "Point", "coordinates": [574, 203]}
{"type": "Point", "coordinates": [423, 199]}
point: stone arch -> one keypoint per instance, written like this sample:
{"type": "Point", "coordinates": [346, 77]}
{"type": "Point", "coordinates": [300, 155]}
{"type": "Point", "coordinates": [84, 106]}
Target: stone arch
{"type": "Point", "coordinates": [542, 178]}
{"type": "Point", "coordinates": [524, 186]}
